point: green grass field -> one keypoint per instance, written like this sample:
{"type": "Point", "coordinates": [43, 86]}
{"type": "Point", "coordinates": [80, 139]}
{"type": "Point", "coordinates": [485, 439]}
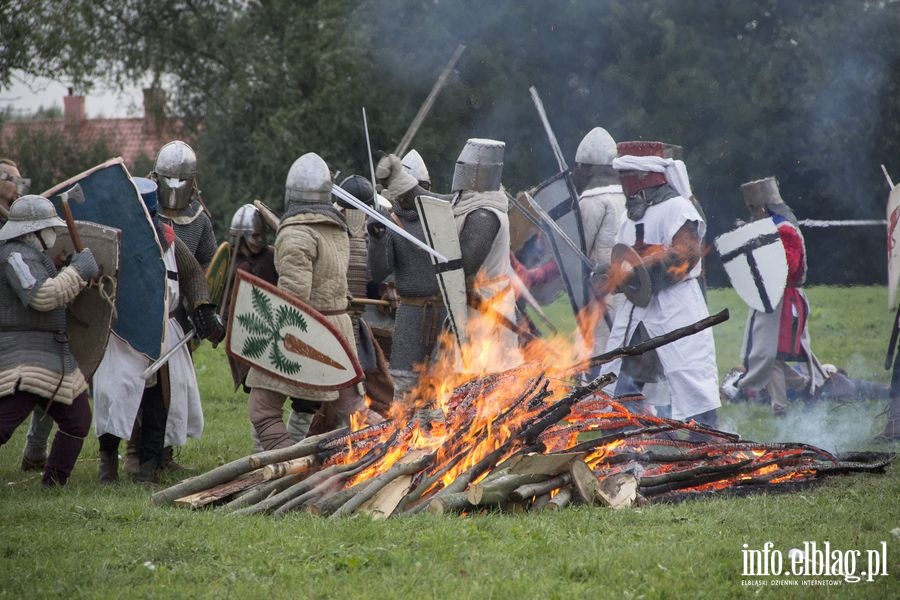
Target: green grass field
{"type": "Point", "coordinates": [92, 541]}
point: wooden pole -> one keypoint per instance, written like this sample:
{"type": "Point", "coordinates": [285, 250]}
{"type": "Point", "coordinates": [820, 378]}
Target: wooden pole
{"type": "Point", "coordinates": [417, 121]}
{"type": "Point", "coordinates": [651, 344]}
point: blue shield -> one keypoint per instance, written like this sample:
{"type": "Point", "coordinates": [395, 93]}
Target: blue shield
{"type": "Point", "coordinates": [111, 198]}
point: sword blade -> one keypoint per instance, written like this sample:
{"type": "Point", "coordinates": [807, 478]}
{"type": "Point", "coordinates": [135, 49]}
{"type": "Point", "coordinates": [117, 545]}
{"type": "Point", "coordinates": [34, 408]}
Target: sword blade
{"type": "Point", "coordinates": [369, 148]}
{"type": "Point", "coordinates": [549, 130]}
{"type": "Point", "coordinates": [351, 199]}
{"type": "Point", "coordinates": [162, 360]}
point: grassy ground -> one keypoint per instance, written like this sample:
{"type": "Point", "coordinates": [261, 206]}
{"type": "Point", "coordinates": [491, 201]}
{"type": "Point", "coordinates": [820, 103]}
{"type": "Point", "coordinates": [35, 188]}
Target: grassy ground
{"type": "Point", "coordinates": [88, 541]}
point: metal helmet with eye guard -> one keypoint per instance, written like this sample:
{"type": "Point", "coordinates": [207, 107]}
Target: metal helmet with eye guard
{"type": "Point", "coordinates": [176, 173]}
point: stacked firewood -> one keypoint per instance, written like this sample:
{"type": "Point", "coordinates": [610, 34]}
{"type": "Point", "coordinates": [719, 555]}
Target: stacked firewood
{"type": "Point", "coordinates": [518, 440]}
{"type": "Point", "coordinates": [542, 451]}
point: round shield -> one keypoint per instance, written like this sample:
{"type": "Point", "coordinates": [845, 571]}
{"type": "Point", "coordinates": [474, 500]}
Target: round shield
{"type": "Point", "coordinates": [217, 272]}
{"type": "Point", "coordinates": [627, 268]}
{"type": "Point", "coordinates": [90, 316]}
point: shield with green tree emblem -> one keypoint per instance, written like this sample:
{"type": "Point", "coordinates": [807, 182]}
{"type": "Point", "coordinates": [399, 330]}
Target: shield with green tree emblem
{"type": "Point", "coordinates": [288, 339]}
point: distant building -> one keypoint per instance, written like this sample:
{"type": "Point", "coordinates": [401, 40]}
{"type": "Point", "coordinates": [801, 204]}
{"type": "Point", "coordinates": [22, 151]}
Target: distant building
{"type": "Point", "coordinates": [131, 138]}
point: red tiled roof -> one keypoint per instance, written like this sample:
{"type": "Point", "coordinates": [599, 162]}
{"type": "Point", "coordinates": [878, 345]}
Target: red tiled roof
{"type": "Point", "coordinates": [129, 138]}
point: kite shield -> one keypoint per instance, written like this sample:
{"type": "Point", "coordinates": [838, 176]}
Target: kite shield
{"type": "Point", "coordinates": [111, 198]}
{"type": "Point", "coordinates": [893, 242]}
{"type": "Point", "coordinates": [756, 264]}
{"type": "Point", "coordinates": [440, 233]}
{"type": "Point", "coordinates": [286, 338]}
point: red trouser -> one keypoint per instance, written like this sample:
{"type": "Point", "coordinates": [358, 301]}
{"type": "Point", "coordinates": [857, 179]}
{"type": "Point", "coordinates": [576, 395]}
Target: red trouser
{"type": "Point", "coordinates": [73, 422]}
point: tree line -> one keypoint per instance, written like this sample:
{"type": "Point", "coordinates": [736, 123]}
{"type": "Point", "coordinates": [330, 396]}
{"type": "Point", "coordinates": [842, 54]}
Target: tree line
{"type": "Point", "coordinates": [801, 90]}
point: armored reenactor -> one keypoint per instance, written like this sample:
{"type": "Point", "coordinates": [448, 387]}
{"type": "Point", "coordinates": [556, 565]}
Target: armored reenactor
{"type": "Point", "coordinates": [602, 204]}
{"type": "Point", "coordinates": [774, 338]}
{"type": "Point", "coordinates": [379, 387]}
{"type": "Point", "coordinates": [253, 254]}
{"type": "Point", "coordinates": [37, 367]}
{"type": "Point", "coordinates": [34, 454]}
{"type": "Point", "coordinates": [165, 409]}
{"type": "Point", "coordinates": [421, 311]}
{"type": "Point", "coordinates": [661, 237]}
{"type": "Point", "coordinates": [180, 205]}
{"type": "Point", "coordinates": [312, 251]}
{"type": "Point", "coordinates": [480, 208]}
{"type": "Point", "coordinates": [12, 185]}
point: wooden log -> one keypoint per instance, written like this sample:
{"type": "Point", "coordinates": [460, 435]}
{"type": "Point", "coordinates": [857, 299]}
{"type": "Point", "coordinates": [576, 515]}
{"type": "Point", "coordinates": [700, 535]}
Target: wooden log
{"type": "Point", "coordinates": [560, 500]}
{"type": "Point", "coordinates": [407, 466]}
{"type": "Point", "coordinates": [288, 467]}
{"type": "Point", "coordinates": [497, 491]}
{"type": "Point", "coordinates": [273, 502]}
{"type": "Point", "coordinates": [462, 482]}
{"type": "Point", "coordinates": [545, 464]}
{"type": "Point", "coordinates": [556, 412]}
{"type": "Point", "coordinates": [262, 491]}
{"type": "Point", "coordinates": [456, 502]}
{"type": "Point", "coordinates": [532, 490]}
{"type": "Point", "coordinates": [584, 482]}
{"type": "Point", "coordinates": [235, 469]}
{"type": "Point", "coordinates": [385, 502]}
{"type": "Point", "coordinates": [540, 502]}
{"type": "Point", "coordinates": [331, 497]}
{"type": "Point", "coordinates": [652, 343]}
{"type": "Point", "coordinates": [618, 490]}
{"type": "Point", "coordinates": [426, 484]}
{"type": "Point", "coordinates": [221, 492]}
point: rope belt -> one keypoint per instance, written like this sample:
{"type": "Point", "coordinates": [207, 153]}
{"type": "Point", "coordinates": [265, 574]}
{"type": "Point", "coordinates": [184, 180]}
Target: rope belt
{"type": "Point", "coordinates": [334, 313]}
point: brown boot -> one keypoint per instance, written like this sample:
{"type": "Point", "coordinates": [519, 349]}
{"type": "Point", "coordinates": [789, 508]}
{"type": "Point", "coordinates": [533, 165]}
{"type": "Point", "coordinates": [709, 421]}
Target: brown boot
{"type": "Point", "coordinates": [132, 460]}
{"type": "Point", "coordinates": [148, 472]}
{"type": "Point", "coordinates": [168, 462]}
{"type": "Point", "coordinates": [33, 460]}
{"type": "Point", "coordinates": [109, 467]}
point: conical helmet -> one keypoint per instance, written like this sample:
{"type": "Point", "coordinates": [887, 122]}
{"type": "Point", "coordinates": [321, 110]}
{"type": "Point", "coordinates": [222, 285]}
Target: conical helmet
{"type": "Point", "coordinates": [308, 180]}
{"type": "Point", "coordinates": [415, 166]}
{"type": "Point", "coordinates": [596, 148]}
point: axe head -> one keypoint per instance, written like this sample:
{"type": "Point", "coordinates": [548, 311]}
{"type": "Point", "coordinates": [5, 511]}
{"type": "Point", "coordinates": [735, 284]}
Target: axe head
{"type": "Point", "coordinates": [73, 194]}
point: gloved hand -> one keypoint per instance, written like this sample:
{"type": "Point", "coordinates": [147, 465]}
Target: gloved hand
{"type": "Point", "coordinates": [394, 177]}
{"type": "Point", "coordinates": [387, 167]}
{"type": "Point", "coordinates": [207, 325]}
{"type": "Point", "coordinates": [375, 229]}
{"type": "Point", "coordinates": [85, 265]}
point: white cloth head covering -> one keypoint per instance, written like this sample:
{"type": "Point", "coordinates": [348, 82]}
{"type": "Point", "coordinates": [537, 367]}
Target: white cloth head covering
{"type": "Point", "coordinates": [675, 170]}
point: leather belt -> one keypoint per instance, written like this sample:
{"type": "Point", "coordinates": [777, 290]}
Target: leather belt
{"type": "Point", "coordinates": [422, 301]}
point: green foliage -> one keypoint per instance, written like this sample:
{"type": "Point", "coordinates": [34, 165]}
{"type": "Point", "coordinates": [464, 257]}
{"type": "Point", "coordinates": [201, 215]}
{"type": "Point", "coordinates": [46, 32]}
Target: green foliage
{"type": "Point", "coordinates": [268, 328]}
{"type": "Point", "coordinates": [253, 323]}
{"type": "Point", "coordinates": [263, 306]}
{"type": "Point", "coordinates": [288, 315]}
{"type": "Point", "coordinates": [804, 91]}
{"type": "Point", "coordinates": [282, 362]}
{"type": "Point", "coordinates": [48, 153]}
{"type": "Point", "coordinates": [255, 346]}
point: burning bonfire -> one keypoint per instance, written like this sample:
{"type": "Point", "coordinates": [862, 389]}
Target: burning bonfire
{"type": "Point", "coordinates": [528, 438]}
